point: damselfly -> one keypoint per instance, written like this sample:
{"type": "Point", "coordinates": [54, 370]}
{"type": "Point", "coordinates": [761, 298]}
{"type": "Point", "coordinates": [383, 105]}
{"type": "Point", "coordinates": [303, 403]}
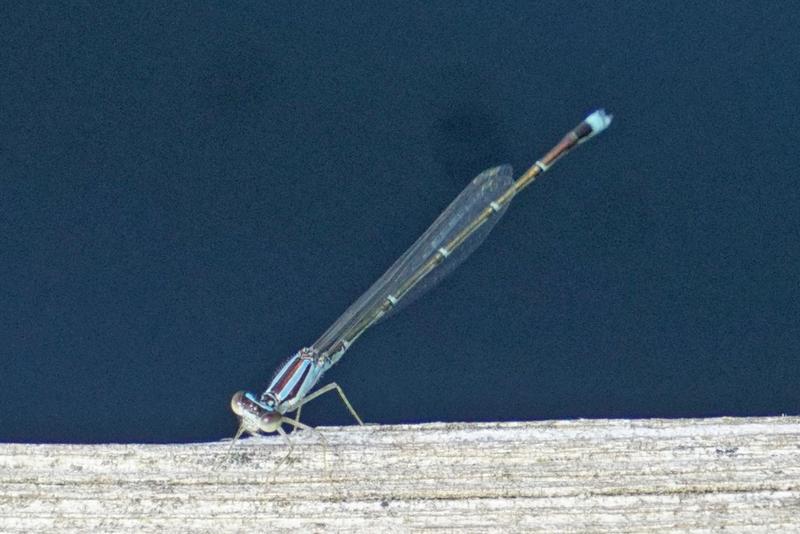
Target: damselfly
{"type": "Point", "coordinates": [453, 236]}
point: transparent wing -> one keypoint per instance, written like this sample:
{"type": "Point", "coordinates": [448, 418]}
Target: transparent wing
{"type": "Point", "coordinates": [484, 189]}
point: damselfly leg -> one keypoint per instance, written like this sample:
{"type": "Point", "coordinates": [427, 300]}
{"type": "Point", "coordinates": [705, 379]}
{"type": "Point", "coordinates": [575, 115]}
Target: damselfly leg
{"type": "Point", "coordinates": [321, 391]}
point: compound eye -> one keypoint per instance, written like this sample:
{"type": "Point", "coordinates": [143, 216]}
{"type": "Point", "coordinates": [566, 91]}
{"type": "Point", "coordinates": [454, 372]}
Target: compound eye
{"type": "Point", "coordinates": [236, 403]}
{"type": "Point", "coordinates": [269, 422]}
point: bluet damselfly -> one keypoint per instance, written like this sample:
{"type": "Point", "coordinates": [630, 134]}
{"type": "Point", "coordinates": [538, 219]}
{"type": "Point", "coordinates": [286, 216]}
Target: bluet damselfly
{"type": "Point", "coordinates": [453, 236]}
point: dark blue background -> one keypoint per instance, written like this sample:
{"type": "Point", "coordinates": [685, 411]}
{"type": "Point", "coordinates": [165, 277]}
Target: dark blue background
{"type": "Point", "coordinates": [189, 194]}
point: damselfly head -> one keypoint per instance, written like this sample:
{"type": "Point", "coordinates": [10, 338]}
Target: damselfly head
{"type": "Point", "coordinates": [254, 415]}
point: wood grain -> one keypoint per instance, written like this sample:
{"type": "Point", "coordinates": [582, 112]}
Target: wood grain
{"type": "Point", "coordinates": [737, 474]}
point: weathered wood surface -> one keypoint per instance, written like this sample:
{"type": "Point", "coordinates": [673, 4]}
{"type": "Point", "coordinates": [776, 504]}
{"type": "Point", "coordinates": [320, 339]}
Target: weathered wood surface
{"type": "Point", "coordinates": [741, 475]}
